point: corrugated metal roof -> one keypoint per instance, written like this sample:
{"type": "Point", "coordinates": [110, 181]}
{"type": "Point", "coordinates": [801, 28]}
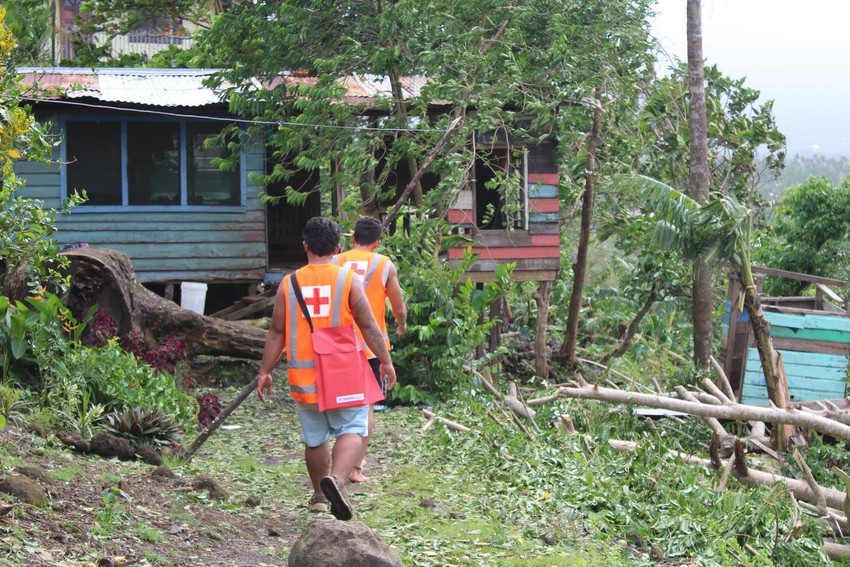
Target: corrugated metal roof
{"type": "Point", "coordinates": [155, 87]}
{"type": "Point", "coordinates": [184, 87]}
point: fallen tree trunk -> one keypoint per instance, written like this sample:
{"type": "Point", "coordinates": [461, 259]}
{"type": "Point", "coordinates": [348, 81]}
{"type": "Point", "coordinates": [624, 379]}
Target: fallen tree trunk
{"type": "Point", "coordinates": [732, 411]}
{"type": "Point", "coordinates": [105, 278]}
{"type": "Point", "coordinates": [799, 488]}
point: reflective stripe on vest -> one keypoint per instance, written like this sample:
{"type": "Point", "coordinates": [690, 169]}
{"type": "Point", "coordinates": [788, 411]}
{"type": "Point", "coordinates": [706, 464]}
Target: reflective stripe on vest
{"type": "Point", "coordinates": [376, 292]}
{"type": "Point", "coordinates": [299, 351]}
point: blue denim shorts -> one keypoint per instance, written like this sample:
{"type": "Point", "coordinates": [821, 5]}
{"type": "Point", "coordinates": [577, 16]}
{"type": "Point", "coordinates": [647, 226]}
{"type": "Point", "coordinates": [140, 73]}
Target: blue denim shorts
{"type": "Point", "coordinates": [318, 426]}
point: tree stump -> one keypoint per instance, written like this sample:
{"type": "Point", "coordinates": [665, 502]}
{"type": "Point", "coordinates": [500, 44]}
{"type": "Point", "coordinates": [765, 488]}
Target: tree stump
{"type": "Point", "coordinates": [105, 277]}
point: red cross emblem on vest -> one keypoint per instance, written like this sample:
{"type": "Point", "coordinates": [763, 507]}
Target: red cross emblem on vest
{"type": "Point", "coordinates": [318, 300]}
{"type": "Point", "coordinates": [359, 267]}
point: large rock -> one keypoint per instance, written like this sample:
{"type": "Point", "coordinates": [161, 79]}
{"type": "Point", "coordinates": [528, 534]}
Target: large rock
{"type": "Point", "coordinates": [332, 543]}
{"type": "Point", "coordinates": [24, 489]}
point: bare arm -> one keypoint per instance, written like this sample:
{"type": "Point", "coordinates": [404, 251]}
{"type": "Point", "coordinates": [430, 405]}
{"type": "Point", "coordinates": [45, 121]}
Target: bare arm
{"type": "Point", "coordinates": [397, 301]}
{"type": "Point", "coordinates": [273, 347]}
{"type": "Point", "coordinates": [371, 332]}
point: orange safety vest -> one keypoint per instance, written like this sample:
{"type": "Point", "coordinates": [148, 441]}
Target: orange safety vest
{"type": "Point", "coordinates": [326, 289]}
{"type": "Point", "coordinates": [374, 270]}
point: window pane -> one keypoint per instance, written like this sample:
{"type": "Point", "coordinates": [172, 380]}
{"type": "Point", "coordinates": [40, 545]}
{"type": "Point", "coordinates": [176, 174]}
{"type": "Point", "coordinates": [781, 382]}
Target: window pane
{"type": "Point", "coordinates": [208, 185]}
{"type": "Point", "coordinates": [95, 168]}
{"type": "Point", "coordinates": [153, 163]}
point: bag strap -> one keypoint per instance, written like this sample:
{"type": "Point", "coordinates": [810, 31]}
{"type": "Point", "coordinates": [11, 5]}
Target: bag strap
{"type": "Point", "coordinates": [298, 295]}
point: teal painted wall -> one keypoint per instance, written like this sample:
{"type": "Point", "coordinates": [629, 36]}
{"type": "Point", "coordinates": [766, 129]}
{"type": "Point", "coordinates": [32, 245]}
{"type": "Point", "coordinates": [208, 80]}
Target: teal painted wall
{"type": "Point", "coordinates": [810, 375]}
{"type": "Point", "coordinates": [166, 246]}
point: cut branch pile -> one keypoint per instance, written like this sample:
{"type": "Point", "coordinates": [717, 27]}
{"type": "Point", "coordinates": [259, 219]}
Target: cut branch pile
{"type": "Point", "coordinates": [713, 402]}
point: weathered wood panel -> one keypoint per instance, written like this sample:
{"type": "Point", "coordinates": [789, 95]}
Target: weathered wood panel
{"type": "Point", "coordinates": [545, 177]}
{"type": "Point", "coordinates": [458, 216]}
{"type": "Point", "coordinates": [543, 217]}
{"type": "Point", "coordinates": [811, 321]}
{"type": "Point", "coordinates": [510, 253]}
{"type": "Point", "coordinates": [810, 376]}
{"type": "Point", "coordinates": [544, 228]}
{"type": "Point", "coordinates": [542, 191]}
{"type": "Point", "coordinates": [544, 205]}
{"type": "Point", "coordinates": [803, 345]}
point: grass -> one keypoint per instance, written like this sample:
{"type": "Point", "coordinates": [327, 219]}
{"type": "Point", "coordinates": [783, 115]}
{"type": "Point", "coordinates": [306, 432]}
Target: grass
{"type": "Point", "coordinates": [148, 533]}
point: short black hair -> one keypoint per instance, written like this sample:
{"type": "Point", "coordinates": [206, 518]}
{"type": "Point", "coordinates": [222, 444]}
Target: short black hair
{"type": "Point", "coordinates": [367, 230]}
{"type": "Point", "coordinates": [322, 236]}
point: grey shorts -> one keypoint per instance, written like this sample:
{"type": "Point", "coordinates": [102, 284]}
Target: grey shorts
{"type": "Point", "coordinates": [318, 426]}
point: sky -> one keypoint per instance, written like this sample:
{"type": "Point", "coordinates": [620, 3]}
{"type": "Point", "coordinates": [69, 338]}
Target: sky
{"type": "Point", "coordinates": [796, 53]}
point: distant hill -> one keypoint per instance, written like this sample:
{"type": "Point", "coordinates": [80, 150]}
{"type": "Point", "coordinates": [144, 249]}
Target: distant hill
{"type": "Point", "coordinates": [799, 168]}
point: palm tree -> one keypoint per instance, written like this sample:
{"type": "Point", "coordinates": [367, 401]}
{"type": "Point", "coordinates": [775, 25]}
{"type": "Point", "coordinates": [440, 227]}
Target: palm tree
{"type": "Point", "coordinates": [718, 230]}
{"type": "Point", "coordinates": [698, 179]}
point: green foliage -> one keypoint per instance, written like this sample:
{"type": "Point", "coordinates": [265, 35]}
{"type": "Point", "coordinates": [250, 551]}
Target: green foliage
{"type": "Point", "coordinates": [444, 308]}
{"type": "Point", "coordinates": [743, 137]}
{"type": "Point", "coordinates": [143, 426]}
{"type": "Point", "coordinates": [31, 22]}
{"type": "Point", "coordinates": [809, 235]}
{"type": "Point", "coordinates": [111, 377]}
{"type": "Point", "coordinates": [12, 405]}
{"type": "Point", "coordinates": [28, 252]}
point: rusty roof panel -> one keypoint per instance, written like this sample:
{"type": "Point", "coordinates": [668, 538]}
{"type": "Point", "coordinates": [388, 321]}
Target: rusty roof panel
{"type": "Point", "coordinates": [184, 87]}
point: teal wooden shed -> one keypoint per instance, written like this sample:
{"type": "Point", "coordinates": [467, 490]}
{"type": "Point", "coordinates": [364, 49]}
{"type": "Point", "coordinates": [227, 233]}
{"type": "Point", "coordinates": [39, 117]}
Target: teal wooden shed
{"type": "Point", "coordinates": [811, 334]}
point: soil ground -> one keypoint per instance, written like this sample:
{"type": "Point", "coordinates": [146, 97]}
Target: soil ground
{"type": "Point", "coordinates": [111, 512]}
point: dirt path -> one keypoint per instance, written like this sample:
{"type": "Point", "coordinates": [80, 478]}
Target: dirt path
{"type": "Point", "coordinates": [108, 512]}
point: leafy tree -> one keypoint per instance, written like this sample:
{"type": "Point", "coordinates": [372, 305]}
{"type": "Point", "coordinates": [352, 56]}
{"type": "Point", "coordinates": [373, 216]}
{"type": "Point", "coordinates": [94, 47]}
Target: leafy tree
{"type": "Point", "coordinates": [744, 144]}
{"type": "Point", "coordinates": [810, 235]}
{"type": "Point", "coordinates": [118, 17]}
{"type": "Point", "coordinates": [515, 69]}
{"type": "Point", "coordinates": [28, 255]}
{"type": "Point", "coordinates": [31, 23]}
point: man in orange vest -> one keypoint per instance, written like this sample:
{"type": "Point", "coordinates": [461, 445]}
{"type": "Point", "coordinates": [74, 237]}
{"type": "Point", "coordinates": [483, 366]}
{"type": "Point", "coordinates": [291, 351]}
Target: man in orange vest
{"type": "Point", "coordinates": [380, 281]}
{"type": "Point", "coordinates": [334, 298]}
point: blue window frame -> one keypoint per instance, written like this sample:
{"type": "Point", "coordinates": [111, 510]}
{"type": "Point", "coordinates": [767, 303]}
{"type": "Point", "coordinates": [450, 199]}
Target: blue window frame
{"type": "Point", "coordinates": [150, 164]}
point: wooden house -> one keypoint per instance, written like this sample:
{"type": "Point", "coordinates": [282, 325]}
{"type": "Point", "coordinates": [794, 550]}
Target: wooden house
{"type": "Point", "coordinates": [134, 140]}
{"type": "Point", "coordinates": [811, 334]}
{"type": "Point", "coordinates": [526, 232]}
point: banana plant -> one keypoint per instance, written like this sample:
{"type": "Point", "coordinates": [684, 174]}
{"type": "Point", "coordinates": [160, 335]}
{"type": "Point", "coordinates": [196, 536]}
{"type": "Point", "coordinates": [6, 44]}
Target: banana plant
{"type": "Point", "coordinates": [718, 230]}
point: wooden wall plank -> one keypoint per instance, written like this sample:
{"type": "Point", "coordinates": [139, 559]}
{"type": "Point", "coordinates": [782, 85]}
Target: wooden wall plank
{"type": "Point", "coordinates": [543, 206]}
{"type": "Point", "coordinates": [510, 252]}
{"type": "Point", "coordinates": [543, 217]}
{"type": "Point", "coordinates": [544, 228]}
{"type": "Point", "coordinates": [545, 240]}
{"type": "Point", "coordinates": [545, 177]}
{"type": "Point", "coordinates": [542, 190]}
{"type": "Point", "coordinates": [808, 321]}
{"type": "Point", "coordinates": [458, 216]}
{"type": "Point", "coordinates": [811, 335]}
{"type": "Point", "coordinates": [842, 349]}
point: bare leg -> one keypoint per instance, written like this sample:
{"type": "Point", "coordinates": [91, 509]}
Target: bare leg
{"type": "Point", "coordinates": [357, 473]}
{"type": "Point", "coordinates": [318, 461]}
{"type": "Point", "coordinates": [346, 454]}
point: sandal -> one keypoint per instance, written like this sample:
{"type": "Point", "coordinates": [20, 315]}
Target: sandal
{"type": "Point", "coordinates": [340, 506]}
{"type": "Point", "coordinates": [318, 503]}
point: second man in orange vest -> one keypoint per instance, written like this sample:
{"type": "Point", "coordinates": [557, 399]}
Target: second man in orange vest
{"type": "Point", "coordinates": [380, 282]}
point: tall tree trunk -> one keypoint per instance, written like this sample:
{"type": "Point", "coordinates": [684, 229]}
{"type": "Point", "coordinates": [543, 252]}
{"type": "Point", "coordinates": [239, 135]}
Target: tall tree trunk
{"type": "Point", "coordinates": [541, 297]}
{"type": "Point", "coordinates": [699, 182]}
{"type": "Point", "coordinates": [568, 348]}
